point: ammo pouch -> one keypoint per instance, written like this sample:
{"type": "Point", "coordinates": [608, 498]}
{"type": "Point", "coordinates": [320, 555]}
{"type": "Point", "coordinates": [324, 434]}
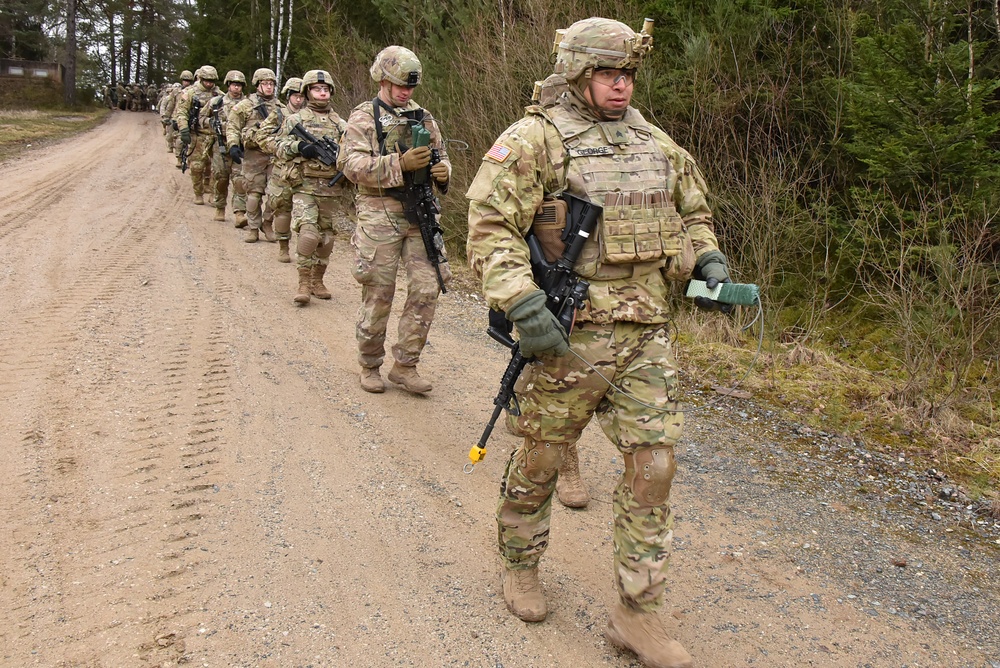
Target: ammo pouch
{"type": "Point", "coordinates": [640, 227]}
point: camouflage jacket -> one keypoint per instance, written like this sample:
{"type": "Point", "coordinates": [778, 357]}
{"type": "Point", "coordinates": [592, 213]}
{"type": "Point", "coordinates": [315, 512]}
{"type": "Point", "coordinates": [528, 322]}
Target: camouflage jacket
{"type": "Point", "coordinates": [245, 118]}
{"type": "Point", "coordinates": [531, 160]}
{"type": "Point", "coordinates": [221, 105]}
{"type": "Point", "coordinates": [266, 134]}
{"type": "Point", "coordinates": [374, 168]}
{"type": "Point", "coordinates": [311, 175]}
{"type": "Point", "coordinates": [183, 105]}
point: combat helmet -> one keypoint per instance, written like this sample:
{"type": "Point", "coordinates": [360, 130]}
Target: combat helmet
{"type": "Point", "coordinates": [207, 73]}
{"type": "Point", "coordinates": [234, 76]}
{"type": "Point", "coordinates": [293, 85]}
{"type": "Point", "coordinates": [187, 76]}
{"type": "Point", "coordinates": [316, 77]}
{"type": "Point", "coordinates": [398, 65]}
{"type": "Point", "coordinates": [263, 74]}
{"type": "Point", "coordinates": [597, 42]}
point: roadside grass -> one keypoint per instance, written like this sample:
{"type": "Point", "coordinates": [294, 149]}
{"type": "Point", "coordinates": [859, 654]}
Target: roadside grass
{"type": "Point", "coordinates": [858, 396]}
{"type": "Point", "coordinates": [23, 128]}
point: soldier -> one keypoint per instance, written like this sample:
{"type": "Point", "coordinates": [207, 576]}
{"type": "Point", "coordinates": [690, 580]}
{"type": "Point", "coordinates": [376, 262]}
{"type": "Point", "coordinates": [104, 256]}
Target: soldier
{"type": "Point", "coordinates": [315, 202]}
{"type": "Point", "coordinates": [255, 165]}
{"type": "Point", "coordinates": [279, 191]}
{"type": "Point", "coordinates": [219, 109]}
{"type": "Point", "coordinates": [376, 158]}
{"type": "Point", "coordinates": [122, 96]}
{"type": "Point", "coordinates": [591, 143]}
{"type": "Point", "coordinates": [167, 112]}
{"type": "Point", "coordinates": [200, 138]}
{"type": "Point", "coordinates": [151, 94]}
{"type": "Point", "coordinates": [106, 95]}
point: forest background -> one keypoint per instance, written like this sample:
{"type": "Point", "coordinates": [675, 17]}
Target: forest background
{"type": "Point", "coordinates": [851, 146]}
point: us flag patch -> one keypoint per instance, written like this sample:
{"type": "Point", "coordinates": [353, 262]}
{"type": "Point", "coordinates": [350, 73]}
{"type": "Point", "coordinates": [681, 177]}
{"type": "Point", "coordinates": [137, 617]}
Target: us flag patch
{"type": "Point", "coordinates": [498, 153]}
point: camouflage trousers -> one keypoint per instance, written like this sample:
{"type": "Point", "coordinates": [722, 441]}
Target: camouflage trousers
{"type": "Point", "coordinates": [200, 161]}
{"type": "Point", "coordinates": [382, 241]}
{"type": "Point", "coordinates": [239, 189]}
{"type": "Point", "coordinates": [278, 196]}
{"type": "Point", "coordinates": [168, 130]}
{"type": "Point", "coordinates": [254, 174]}
{"type": "Point", "coordinates": [222, 170]}
{"type": "Point", "coordinates": [313, 219]}
{"type": "Point", "coordinates": [560, 396]}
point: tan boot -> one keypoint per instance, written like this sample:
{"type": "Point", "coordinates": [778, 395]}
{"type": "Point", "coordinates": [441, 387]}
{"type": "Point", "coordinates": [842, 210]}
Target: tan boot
{"type": "Point", "coordinates": [570, 489]}
{"type": "Point", "coordinates": [318, 289]}
{"type": "Point", "coordinates": [371, 380]}
{"type": "Point", "coordinates": [305, 280]}
{"type": "Point", "coordinates": [523, 593]}
{"type": "Point", "coordinates": [283, 255]}
{"type": "Point", "coordinates": [643, 633]}
{"type": "Point", "coordinates": [251, 235]}
{"type": "Point", "coordinates": [199, 199]}
{"type": "Point", "coordinates": [220, 214]}
{"type": "Point", "coordinates": [408, 377]}
{"type": "Point", "coordinates": [268, 230]}
{"type": "Point", "coordinates": [240, 219]}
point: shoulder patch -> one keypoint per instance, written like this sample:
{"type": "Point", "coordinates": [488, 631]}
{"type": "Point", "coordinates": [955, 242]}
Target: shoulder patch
{"type": "Point", "coordinates": [498, 153]}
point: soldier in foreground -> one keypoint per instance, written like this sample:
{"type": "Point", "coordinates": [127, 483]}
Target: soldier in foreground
{"type": "Point", "coordinates": [219, 109]}
{"type": "Point", "coordinates": [255, 165]}
{"type": "Point", "coordinates": [379, 157]}
{"type": "Point", "coordinates": [197, 141]}
{"type": "Point", "coordinates": [279, 190]}
{"type": "Point", "coordinates": [592, 144]}
{"type": "Point", "coordinates": [309, 141]}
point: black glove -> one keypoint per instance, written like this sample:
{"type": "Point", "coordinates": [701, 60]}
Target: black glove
{"type": "Point", "coordinates": [711, 268]}
{"type": "Point", "coordinates": [236, 153]}
{"type": "Point", "coordinates": [307, 150]}
{"type": "Point", "coordinates": [173, 124]}
{"type": "Point", "coordinates": [186, 136]}
{"type": "Point", "coordinates": [538, 329]}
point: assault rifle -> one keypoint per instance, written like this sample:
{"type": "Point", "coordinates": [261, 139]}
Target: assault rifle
{"type": "Point", "coordinates": [566, 293]}
{"type": "Point", "coordinates": [328, 149]}
{"type": "Point", "coordinates": [421, 207]}
{"type": "Point", "coordinates": [216, 122]}
{"type": "Point", "coordinates": [194, 114]}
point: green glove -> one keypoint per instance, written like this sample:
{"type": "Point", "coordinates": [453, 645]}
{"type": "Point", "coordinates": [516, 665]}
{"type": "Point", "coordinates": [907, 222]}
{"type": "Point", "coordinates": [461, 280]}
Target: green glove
{"type": "Point", "coordinates": [539, 331]}
{"type": "Point", "coordinates": [186, 136]}
{"type": "Point", "coordinates": [711, 268]}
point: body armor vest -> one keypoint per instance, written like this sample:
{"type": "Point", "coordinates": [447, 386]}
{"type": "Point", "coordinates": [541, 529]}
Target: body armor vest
{"type": "Point", "coordinates": [320, 125]}
{"type": "Point", "coordinates": [261, 109]}
{"type": "Point", "coordinates": [394, 134]}
{"type": "Point", "coordinates": [617, 165]}
{"type": "Point", "coordinates": [199, 93]}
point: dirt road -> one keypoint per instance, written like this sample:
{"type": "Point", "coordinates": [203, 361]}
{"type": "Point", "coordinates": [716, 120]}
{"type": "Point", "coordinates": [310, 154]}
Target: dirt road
{"type": "Point", "coordinates": [190, 474]}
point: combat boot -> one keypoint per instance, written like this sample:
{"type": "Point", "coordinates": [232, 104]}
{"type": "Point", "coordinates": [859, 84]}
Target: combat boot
{"type": "Point", "coordinates": [240, 219]}
{"type": "Point", "coordinates": [302, 298]}
{"type": "Point", "coordinates": [268, 230]}
{"type": "Point", "coordinates": [569, 486]}
{"type": "Point", "coordinates": [251, 235]}
{"type": "Point", "coordinates": [199, 199]}
{"type": "Point", "coordinates": [319, 290]}
{"type": "Point", "coordinates": [523, 593]}
{"type": "Point", "coordinates": [643, 633]}
{"type": "Point", "coordinates": [220, 214]}
{"type": "Point", "coordinates": [371, 380]}
{"type": "Point", "coordinates": [408, 377]}
{"type": "Point", "coordinates": [283, 255]}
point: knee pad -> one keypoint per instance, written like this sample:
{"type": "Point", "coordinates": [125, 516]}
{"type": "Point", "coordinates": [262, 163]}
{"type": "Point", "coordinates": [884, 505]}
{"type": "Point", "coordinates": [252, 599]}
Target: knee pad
{"type": "Point", "coordinates": [649, 472]}
{"type": "Point", "coordinates": [308, 240]}
{"type": "Point", "coordinates": [253, 202]}
{"type": "Point", "coordinates": [540, 460]}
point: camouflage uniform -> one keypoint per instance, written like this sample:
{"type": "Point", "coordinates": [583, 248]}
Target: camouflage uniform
{"type": "Point", "coordinates": [315, 203]}
{"type": "Point", "coordinates": [167, 113]}
{"type": "Point", "coordinates": [255, 169]}
{"type": "Point", "coordinates": [384, 239]}
{"type": "Point", "coordinates": [279, 191]}
{"type": "Point", "coordinates": [222, 164]}
{"type": "Point", "coordinates": [651, 190]}
{"type": "Point", "coordinates": [202, 137]}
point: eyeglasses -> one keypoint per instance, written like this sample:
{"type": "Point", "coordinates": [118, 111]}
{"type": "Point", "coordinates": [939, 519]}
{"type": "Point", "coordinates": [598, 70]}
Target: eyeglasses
{"type": "Point", "coordinates": [610, 76]}
{"type": "Point", "coordinates": [320, 88]}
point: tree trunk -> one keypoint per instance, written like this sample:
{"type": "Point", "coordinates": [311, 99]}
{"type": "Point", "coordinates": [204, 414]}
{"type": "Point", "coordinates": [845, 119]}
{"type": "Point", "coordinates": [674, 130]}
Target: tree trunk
{"type": "Point", "coordinates": [112, 45]}
{"type": "Point", "coordinates": [288, 38]}
{"type": "Point", "coordinates": [69, 80]}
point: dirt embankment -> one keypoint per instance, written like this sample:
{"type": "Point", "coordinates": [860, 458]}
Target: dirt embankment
{"type": "Point", "coordinates": [190, 474]}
